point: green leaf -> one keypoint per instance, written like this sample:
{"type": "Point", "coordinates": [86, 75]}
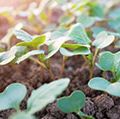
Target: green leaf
{"type": "Point", "coordinates": [66, 20]}
{"type": "Point", "coordinates": [98, 83]}
{"type": "Point", "coordinates": [106, 61]}
{"type": "Point", "coordinates": [22, 115]}
{"type": "Point", "coordinates": [87, 21]}
{"type": "Point", "coordinates": [35, 42]}
{"type": "Point", "coordinates": [10, 55]}
{"type": "Point", "coordinates": [72, 103]}
{"type": "Point", "coordinates": [115, 24]}
{"type": "Point", "coordinates": [104, 85]}
{"type": "Point", "coordinates": [12, 96]}
{"type": "Point", "coordinates": [29, 54]}
{"type": "Point", "coordinates": [74, 49]}
{"type": "Point", "coordinates": [22, 35]}
{"type": "Point", "coordinates": [103, 39]}
{"type": "Point", "coordinates": [109, 61]}
{"type": "Point", "coordinates": [46, 94]}
{"type": "Point", "coordinates": [97, 9]}
{"type": "Point", "coordinates": [55, 46]}
{"type": "Point", "coordinates": [77, 33]}
{"type": "Point", "coordinates": [114, 13]}
{"type": "Point", "coordinates": [96, 30]}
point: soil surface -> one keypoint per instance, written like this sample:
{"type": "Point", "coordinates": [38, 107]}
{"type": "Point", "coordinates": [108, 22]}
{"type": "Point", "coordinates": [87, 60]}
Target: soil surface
{"type": "Point", "coordinates": [98, 104]}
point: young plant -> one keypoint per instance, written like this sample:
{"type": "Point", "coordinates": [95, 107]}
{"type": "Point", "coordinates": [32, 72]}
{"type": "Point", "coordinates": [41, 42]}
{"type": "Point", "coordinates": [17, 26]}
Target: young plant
{"type": "Point", "coordinates": [78, 34]}
{"type": "Point", "coordinates": [12, 96]}
{"type": "Point", "coordinates": [108, 62]}
{"type": "Point", "coordinates": [73, 104]}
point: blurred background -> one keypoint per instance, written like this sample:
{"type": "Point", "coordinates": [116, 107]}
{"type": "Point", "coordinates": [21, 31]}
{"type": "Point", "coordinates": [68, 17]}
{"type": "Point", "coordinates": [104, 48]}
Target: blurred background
{"type": "Point", "coordinates": [38, 16]}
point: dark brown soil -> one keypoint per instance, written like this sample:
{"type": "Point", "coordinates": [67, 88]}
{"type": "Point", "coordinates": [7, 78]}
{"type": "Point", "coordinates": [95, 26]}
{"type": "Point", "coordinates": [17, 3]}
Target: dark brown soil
{"type": "Point", "coordinates": [98, 104]}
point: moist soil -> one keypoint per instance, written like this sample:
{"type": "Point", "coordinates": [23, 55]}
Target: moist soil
{"type": "Point", "coordinates": [98, 104]}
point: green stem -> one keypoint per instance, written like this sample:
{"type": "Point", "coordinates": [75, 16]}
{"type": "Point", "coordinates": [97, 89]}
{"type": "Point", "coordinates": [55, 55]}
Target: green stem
{"type": "Point", "coordinates": [93, 63]}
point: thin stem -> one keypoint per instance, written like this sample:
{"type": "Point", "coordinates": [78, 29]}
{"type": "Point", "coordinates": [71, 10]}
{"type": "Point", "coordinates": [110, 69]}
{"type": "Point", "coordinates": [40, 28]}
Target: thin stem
{"type": "Point", "coordinates": [93, 63]}
{"type": "Point", "coordinates": [38, 62]}
{"type": "Point", "coordinates": [63, 65]}
{"type": "Point", "coordinates": [50, 70]}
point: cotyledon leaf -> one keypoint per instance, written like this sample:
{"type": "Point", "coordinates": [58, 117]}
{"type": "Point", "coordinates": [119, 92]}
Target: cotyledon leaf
{"type": "Point", "coordinates": [29, 54]}
{"type": "Point", "coordinates": [46, 94]}
{"type": "Point", "coordinates": [12, 96]}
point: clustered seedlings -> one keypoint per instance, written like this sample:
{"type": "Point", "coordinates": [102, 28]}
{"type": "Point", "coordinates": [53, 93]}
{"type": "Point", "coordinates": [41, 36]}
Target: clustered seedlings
{"type": "Point", "coordinates": [73, 37]}
{"type": "Point", "coordinates": [13, 95]}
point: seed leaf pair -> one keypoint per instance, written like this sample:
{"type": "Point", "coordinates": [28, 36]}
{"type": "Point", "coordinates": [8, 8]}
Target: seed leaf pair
{"type": "Point", "coordinates": [102, 84]}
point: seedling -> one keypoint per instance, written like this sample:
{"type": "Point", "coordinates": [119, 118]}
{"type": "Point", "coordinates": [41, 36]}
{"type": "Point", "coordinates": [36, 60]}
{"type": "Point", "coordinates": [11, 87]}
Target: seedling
{"type": "Point", "coordinates": [73, 104]}
{"type": "Point", "coordinates": [12, 96]}
{"type": "Point", "coordinates": [108, 62]}
{"type": "Point", "coordinates": [77, 34]}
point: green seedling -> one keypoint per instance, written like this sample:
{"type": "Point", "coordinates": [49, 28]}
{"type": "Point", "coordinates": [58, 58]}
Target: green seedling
{"type": "Point", "coordinates": [34, 42]}
{"type": "Point", "coordinates": [73, 104]}
{"type": "Point", "coordinates": [108, 62]}
{"type": "Point", "coordinates": [13, 95]}
{"type": "Point", "coordinates": [78, 34]}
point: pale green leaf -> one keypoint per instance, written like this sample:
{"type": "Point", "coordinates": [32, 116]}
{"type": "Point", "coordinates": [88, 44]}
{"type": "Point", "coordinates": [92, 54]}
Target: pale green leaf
{"type": "Point", "coordinates": [12, 96]}
{"type": "Point", "coordinates": [35, 42]}
{"type": "Point", "coordinates": [103, 39]}
{"type": "Point", "coordinates": [46, 94]}
{"type": "Point", "coordinates": [55, 46]}
{"type": "Point", "coordinates": [29, 54]}
{"type": "Point", "coordinates": [10, 55]}
{"type": "Point", "coordinates": [22, 35]}
{"type": "Point", "coordinates": [78, 34]}
{"type": "Point", "coordinates": [74, 49]}
{"type": "Point", "coordinates": [101, 84]}
{"type": "Point", "coordinates": [72, 103]}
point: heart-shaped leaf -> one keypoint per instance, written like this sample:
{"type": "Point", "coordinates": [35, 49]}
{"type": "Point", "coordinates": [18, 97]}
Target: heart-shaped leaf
{"type": "Point", "coordinates": [29, 54]}
{"type": "Point", "coordinates": [73, 103]}
{"type": "Point", "coordinates": [74, 49]}
{"type": "Point", "coordinates": [46, 94]}
{"type": "Point", "coordinates": [10, 55]}
{"type": "Point", "coordinates": [22, 35]}
{"type": "Point", "coordinates": [103, 39]}
{"type": "Point", "coordinates": [101, 84]}
{"type": "Point", "coordinates": [77, 33]}
{"type": "Point", "coordinates": [12, 96]}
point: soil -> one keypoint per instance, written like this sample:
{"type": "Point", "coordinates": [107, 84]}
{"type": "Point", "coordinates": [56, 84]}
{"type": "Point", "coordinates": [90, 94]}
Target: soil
{"type": "Point", "coordinates": [98, 104]}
